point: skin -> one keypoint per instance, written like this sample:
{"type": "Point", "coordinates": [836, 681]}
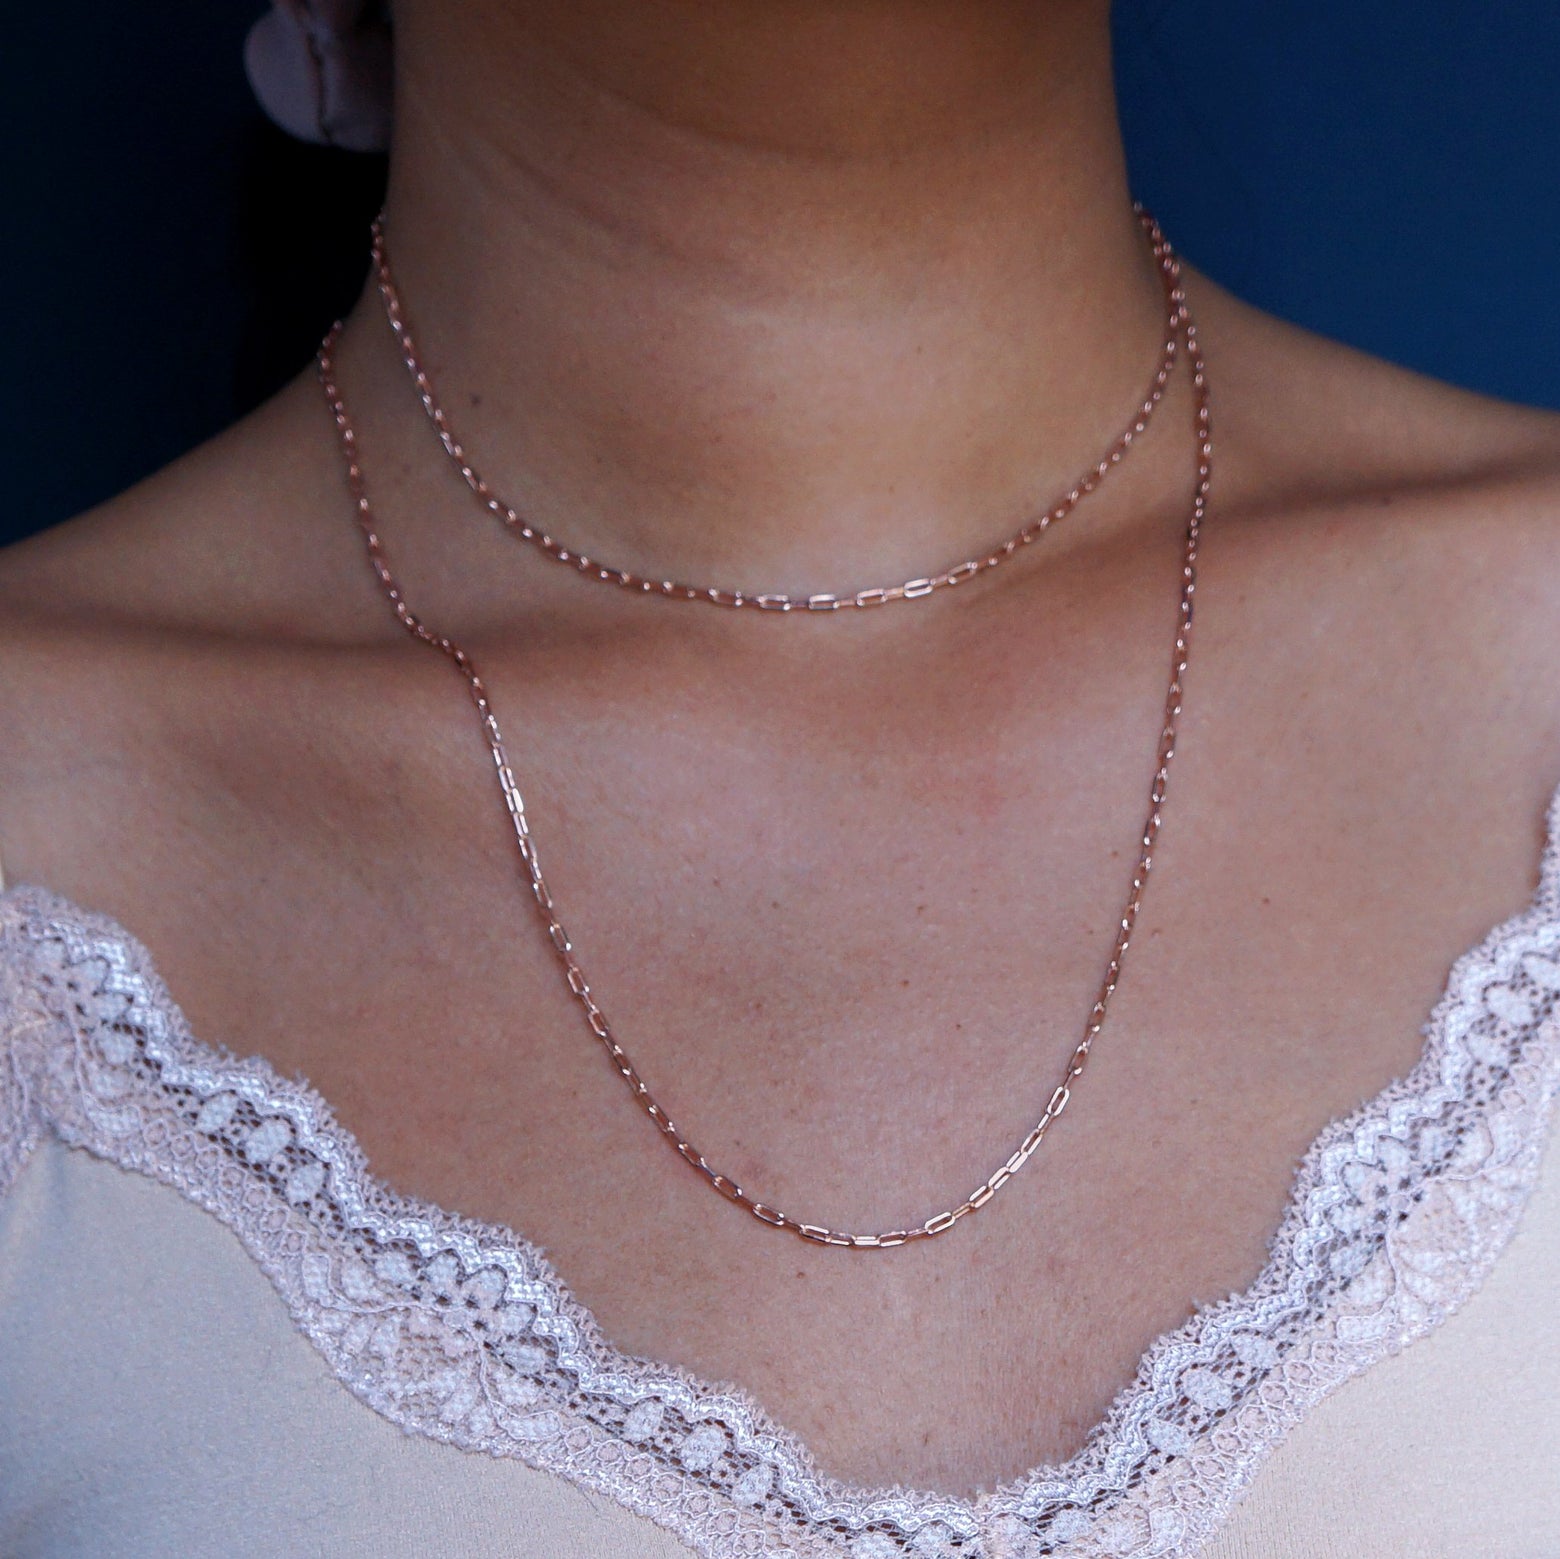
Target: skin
{"type": "Point", "coordinates": [812, 296]}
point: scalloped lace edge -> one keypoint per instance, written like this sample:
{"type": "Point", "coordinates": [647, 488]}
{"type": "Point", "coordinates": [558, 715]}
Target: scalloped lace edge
{"type": "Point", "coordinates": [463, 1332]}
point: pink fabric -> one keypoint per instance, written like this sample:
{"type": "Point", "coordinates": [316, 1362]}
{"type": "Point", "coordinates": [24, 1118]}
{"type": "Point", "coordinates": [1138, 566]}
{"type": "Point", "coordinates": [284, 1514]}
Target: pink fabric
{"type": "Point", "coordinates": [321, 70]}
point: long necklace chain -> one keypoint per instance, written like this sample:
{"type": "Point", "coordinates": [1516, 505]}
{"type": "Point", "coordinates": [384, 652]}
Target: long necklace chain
{"type": "Point", "coordinates": [778, 601]}
{"type": "Point", "coordinates": [579, 986]}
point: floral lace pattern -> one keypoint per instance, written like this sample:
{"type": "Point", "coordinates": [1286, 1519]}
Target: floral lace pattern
{"type": "Point", "coordinates": [463, 1332]}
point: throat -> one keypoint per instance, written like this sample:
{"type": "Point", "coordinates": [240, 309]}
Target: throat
{"type": "Point", "coordinates": [853, 313]}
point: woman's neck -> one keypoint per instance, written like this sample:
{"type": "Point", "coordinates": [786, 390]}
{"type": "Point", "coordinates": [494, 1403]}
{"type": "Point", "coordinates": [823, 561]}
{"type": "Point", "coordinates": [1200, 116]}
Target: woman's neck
{"type": "Point", "coordinates": [776, 295]}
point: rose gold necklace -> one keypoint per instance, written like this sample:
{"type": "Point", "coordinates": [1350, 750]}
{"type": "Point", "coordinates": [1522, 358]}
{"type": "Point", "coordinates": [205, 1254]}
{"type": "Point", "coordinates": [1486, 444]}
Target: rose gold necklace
{"type": "Point", "coordinates": [777, 601]}
{"type": "Point", "coordinates": [1182, 327]}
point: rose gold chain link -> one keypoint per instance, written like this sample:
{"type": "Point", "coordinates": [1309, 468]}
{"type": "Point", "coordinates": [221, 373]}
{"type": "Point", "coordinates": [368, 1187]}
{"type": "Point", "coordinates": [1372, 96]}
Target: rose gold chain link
{"type": "Point", "coordinates": [1183, 327]}
{"type": "Point", "coordinates": [778, 601]}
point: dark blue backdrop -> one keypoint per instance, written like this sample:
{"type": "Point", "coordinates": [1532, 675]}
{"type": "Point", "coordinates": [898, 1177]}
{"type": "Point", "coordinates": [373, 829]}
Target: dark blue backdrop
{"type": "Point", "coordinates": [1381, 170]}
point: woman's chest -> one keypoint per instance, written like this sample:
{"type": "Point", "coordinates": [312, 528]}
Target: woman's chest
{"type": "Point", "coordinates": [845, 1060]}
{"type": "Point", "coordinates": [853, 987]}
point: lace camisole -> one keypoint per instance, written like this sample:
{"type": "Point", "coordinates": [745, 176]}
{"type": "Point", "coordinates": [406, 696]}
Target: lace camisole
{"type": "Point", "coordinates": [219, 1335]}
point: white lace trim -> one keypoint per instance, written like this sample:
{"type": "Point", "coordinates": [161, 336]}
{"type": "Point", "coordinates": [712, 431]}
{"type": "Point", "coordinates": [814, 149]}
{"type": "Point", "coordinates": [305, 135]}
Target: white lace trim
{"type": "Point", "coordinates": [463, 1332]}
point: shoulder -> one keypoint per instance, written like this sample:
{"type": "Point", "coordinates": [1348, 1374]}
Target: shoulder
{"type": "Point", "coordinates": [223, 540]}
{"type": "Point", "coordinates": [128, 632]}
{"type": "Point", "coordinates": [1370, 510]}
{"type": "Point", "coordinates": [1317, 431]}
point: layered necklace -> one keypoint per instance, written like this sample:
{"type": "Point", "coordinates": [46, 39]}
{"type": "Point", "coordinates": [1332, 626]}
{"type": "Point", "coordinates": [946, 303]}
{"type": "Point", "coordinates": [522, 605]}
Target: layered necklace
{"type": "Point", "coordinates": [1180, 339]}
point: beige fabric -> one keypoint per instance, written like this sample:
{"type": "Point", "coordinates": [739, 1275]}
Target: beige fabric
{"type": "Point", "coordinates": [1451, 1450]}
{"type": "Point", "coordinates": [160, 1402]}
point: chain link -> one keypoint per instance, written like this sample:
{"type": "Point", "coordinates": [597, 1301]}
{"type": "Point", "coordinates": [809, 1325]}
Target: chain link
{"type": "Point", "coordinates": [1182, 328]}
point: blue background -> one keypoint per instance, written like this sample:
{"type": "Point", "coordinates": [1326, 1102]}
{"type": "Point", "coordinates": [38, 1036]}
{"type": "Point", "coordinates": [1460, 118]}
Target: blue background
{"type": "Point", "coordinates": [1384, 171]}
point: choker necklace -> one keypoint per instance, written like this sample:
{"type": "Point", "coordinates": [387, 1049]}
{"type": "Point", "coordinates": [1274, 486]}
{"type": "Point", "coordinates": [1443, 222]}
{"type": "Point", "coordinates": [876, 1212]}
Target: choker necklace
{"type": "Point", "coordinates": [776, 601]}
{"type": "Point", "coordinates": [1182, 328]}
